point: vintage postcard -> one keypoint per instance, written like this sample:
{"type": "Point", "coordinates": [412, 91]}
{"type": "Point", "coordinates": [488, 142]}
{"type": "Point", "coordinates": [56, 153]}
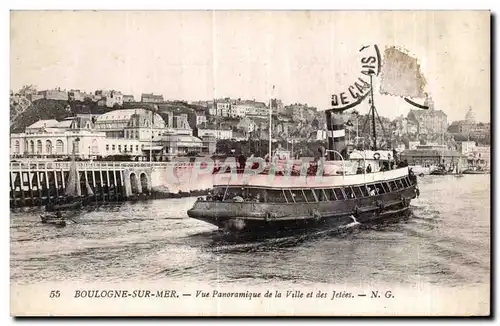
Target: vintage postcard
{"type": "Point", "coordinates": [250, 163]}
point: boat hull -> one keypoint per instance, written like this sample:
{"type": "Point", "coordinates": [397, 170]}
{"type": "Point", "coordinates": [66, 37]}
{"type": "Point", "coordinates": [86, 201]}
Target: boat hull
{"type": "Point", "coordinates": [245, 216]}
{"type": "Point", "coordinates": [70, 206]}
{"type": "Point", "coordinates": [53, 220]}
{"type": "Point", "coordinates": [474, 172]}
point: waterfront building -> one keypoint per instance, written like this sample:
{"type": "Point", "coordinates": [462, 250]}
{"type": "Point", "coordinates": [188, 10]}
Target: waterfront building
{"type": "Point", "coordinates": [170, 145]}
{"type": "Point", "coordinates": [476, 155]}
{"type": "Point", "coordinates": [56, 139]}
{"type": "Point", "coordinates": [139, 124]}
{"type": "Point", "coordinates": [129, 132]}
{"type": "Point", "coordinates": [429, 155]}
{"type": "Point", "coordinates": [479, 156]}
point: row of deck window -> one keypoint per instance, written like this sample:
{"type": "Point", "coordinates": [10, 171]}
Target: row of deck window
{"type": "Point", "coordinates": [311, 195]}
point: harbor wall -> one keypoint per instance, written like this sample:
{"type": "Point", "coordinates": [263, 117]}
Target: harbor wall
{"type": "Point", "coordinates": [38, 183]}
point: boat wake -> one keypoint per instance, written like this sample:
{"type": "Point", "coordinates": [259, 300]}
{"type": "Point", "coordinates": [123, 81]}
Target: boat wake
{"type": "Point", "coordinates": [352, 224]}
{"type": "Point", "coordinates": [229, 242]}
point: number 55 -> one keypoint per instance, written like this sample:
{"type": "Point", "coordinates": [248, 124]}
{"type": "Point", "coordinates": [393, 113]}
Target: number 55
{"type": "Point", "coordinates": [54, 294]}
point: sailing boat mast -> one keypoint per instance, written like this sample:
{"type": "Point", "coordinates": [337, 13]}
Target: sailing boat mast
{"type": "Point", "coordinates": [73, 182]}
{"type": "Point", "coordinates": [373, 112]}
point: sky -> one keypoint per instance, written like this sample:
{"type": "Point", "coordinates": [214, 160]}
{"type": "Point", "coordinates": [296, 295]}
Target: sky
{"type": "Point", "coordinates": [201, 55]}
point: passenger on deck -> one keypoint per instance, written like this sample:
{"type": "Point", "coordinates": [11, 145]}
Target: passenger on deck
{"type": "Point", "coordinates": [359, 170]}
{"type": "Point", "coordinates": [369, 168]}
{"type": "Point", "coordinates": [372, 191]}
{"type": "Point", "coordinates": [412, 176]}
{"type": "Point", "coordinates": [238, 199]}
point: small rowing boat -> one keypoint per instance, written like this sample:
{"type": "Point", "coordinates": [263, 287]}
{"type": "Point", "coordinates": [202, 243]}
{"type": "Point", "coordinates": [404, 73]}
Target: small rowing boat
{"type": "Point", "coordinates": [54, 219]}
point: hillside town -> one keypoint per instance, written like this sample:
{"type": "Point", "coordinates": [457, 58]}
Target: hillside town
{"type": "Point", "coordinates": [110, 125]}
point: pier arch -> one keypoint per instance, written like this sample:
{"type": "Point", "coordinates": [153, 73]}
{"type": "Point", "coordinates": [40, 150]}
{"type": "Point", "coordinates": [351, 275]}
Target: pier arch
{"type": "Point", "coordinates": [134, 183]}
{"type": "Point", "coordinates": [144, 182]}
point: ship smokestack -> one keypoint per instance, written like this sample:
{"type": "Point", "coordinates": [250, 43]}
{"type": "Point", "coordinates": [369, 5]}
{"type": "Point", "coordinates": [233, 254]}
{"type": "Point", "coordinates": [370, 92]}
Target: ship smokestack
{"type": "Point", "coordinates": [336, 134]}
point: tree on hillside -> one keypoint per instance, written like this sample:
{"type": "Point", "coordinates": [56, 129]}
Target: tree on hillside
{"type": "Point", "coordinates": [40, 110]}
{"type": "Point", "coordinates": [27, 89]}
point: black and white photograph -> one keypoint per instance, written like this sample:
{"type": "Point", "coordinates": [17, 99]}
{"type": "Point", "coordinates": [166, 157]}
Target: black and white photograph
{"type": "Point", "coordinates": [250, 163]}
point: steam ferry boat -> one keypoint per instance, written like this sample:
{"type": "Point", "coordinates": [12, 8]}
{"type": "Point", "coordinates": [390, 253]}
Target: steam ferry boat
{"type": "Point", "coordinates": [337, 196]}
{"type": "Point", "coordinates": [336, 189]}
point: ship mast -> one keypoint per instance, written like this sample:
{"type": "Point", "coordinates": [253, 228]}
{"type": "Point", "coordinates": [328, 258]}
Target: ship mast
{"type": "Point", "coordinates": [372, 112]}
{"type": "Point", "coordinates": [270, 121]}
{"type": "Point", "coordinates": [372, 108]}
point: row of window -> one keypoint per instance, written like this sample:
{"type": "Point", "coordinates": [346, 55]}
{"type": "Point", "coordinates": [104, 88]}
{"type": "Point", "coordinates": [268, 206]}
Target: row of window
{"type": "Point", "coordinates": [129, 148]}
{"type": "Point", "coordinates": [314, 195]}
{"type": "Point", "coordinates": [30, 147]}
{"type": "Point", "coordinates": [134, 134]}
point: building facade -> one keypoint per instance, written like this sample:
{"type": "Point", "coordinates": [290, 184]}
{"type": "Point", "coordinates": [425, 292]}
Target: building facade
{"type": "Point", "coordinates": [216, 132]}
{"type": "Point", "coordinates": [109, 98]}
{"type": "Point", "coordinates": [151, 98]}
{"type": "Point", "coordinates": [57, 139]}
{"type": "Point", "coordinates": [139, 124]}
{"type": "Point", "coordinates": [54, 94]}
{"type": "Point", "coordinates": [128, 98]}
{"type": "Point", "coordinates": [223, 108]}
{"type": "Point", "coordinates": [429, 121]}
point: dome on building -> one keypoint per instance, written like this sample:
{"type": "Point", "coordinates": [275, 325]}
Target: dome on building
{"type": "Point", "coordinates": [122, 118]}
{"type": "Point", "coordinates": [470, 116]}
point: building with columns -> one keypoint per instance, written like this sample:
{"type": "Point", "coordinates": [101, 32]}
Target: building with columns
{"type": "Point", "coordinates": [56, 139]}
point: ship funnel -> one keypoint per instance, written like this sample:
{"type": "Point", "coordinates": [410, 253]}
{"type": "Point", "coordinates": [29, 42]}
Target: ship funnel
{"type": "Point", "coordinates": [336, 135]}
{"type": "Point", "coordinates": [322, 151]}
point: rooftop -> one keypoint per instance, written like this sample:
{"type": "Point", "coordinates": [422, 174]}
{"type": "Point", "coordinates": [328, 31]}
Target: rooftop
{"type": "Point", "coordinates": [44, 124]}
{"type": "Point", "coordinates": [180, 140]}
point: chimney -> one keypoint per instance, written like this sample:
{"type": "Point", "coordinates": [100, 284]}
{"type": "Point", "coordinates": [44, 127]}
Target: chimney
{"type": "Point", "coordinates": [335, 133]}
